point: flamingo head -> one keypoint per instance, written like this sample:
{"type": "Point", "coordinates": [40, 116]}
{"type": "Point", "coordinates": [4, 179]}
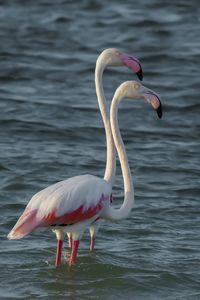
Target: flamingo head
{"type": "Point", "coordinates": [135, 90]}
{"type": "Point", "coordinates": [113, 57]}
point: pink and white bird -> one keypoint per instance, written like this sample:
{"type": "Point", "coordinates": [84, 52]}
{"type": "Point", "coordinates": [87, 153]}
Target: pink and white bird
{"type": "Point", "coordinates": [74, 204]}
{"type": "Point", "coordinates": [109, 57]}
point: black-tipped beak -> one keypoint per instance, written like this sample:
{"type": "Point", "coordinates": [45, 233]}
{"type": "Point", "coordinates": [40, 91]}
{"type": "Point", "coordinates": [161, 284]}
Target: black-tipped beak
{"type": "Point", "coordinates": [153, 99]}
{"type": "Point", "coordinates": [140, 74]}
{"type": "Point", "coordinates": [159, 111]}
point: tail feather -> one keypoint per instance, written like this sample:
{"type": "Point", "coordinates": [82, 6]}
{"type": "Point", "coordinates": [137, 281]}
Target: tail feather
{"type": "Point", "coordinates": [26, 223]}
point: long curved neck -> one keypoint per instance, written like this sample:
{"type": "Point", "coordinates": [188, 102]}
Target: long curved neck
{"type": "Point", "coordinates": [111, 155]}
{"type": "Point", "coordinates": [123, 212]}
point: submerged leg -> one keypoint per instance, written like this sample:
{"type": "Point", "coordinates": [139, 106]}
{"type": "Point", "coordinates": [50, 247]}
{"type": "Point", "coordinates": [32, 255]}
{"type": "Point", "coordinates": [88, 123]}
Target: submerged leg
{"type": "Point", "coordinates": [74, 252]}
{"type": "Point", "coordinates": [59, 236]}
{"type": "Point", "coordinates": [93, 232]}
{"type": "Point", "coordinates": [92, 235]}
{"type": "Point", "coordinates": [59, 252]}
{"type": "Point", "coordinates": [92, 243]}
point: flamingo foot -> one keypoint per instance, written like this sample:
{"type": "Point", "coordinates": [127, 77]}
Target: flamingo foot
{"type": "Point", "coordinates": [74, 253]}
{"type": "Point", "coordinates": [59, 253]}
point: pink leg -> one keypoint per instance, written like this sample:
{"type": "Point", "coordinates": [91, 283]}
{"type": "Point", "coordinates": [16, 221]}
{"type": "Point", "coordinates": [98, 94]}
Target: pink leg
{"type": "Point", "coordinates": [92, 243]}
{"type": "Point", "coordinates": [74, 253]}
{"type": "Point", "coordinates": [59, 252]}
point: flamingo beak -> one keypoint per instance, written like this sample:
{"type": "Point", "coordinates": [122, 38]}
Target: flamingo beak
{"type": "Point", "coordinates": [154, 100]}
{"type": "Point", "coordinates": [159, 111]}
{"type": "Point", "coordinates": [140, 73]}
{"type": "Point", "coordinates": [132, 63]}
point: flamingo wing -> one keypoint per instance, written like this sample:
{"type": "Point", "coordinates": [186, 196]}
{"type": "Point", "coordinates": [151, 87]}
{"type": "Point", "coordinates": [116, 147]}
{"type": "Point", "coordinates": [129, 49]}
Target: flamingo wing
{"type": "Point", "coordinates": [64, 203]}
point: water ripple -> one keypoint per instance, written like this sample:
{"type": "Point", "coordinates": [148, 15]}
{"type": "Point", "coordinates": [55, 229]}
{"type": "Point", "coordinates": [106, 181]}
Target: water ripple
{"type": "Point", "coordinates": [51, 130]}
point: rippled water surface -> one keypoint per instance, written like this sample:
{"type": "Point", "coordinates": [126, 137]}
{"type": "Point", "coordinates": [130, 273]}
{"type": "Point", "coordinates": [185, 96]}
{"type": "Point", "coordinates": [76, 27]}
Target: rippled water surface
{"type": "Point", "coordinates": [51, 129]}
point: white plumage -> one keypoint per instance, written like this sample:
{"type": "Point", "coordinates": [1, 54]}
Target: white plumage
{"type": "Point", "coordinates": [64, 203]}
{"type": "Point", "coordinates": [70, 194]}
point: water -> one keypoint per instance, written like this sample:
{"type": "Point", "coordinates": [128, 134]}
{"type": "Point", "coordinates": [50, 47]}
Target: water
{"type": "Point", "coordinates": [51, 130]}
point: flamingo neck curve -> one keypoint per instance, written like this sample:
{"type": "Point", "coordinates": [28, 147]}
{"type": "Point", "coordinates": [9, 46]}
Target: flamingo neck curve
{"type": "Point", "coordinates": [111, 154]}
{"type": "Point", "coordinates": [123, 212]}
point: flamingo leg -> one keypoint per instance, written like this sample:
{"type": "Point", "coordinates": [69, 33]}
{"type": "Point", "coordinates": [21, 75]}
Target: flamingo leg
{"type": "Point", "coordinates": [74, 252]}
{"type": "Point", "coordinates": [59, 252]}
{"type": "Point", "coordinates": [69, 240]}
{"type": "Point", "coordinates": [92, 243]}
{"type": "Point", "coordinates": [93, 231]}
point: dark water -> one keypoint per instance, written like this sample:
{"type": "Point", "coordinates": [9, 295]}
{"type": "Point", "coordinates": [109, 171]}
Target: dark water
{"type": "Point", "coordinates": [50, 129]}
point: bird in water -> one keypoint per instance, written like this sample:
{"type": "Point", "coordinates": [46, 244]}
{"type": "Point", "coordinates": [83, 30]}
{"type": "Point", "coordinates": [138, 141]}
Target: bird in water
{"type": "Point", "coordinates": [74, 204]}
{"type": "Point", "coordinates": [109, 58]}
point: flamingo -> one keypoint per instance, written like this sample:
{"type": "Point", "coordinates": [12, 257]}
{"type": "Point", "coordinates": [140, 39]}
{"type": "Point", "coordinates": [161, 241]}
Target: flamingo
{"type": "Point", "coordinates": [77, 202]}
{"type": "Point", "coordinates": [109, 57]}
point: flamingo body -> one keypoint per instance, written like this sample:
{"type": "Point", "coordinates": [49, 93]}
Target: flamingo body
{"type": "Point", "coordinates": [67, 203]}
{"type": "Point", "coordinates": [78, 202]}
{"type": "Point", "coordinates": [72, 205]}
